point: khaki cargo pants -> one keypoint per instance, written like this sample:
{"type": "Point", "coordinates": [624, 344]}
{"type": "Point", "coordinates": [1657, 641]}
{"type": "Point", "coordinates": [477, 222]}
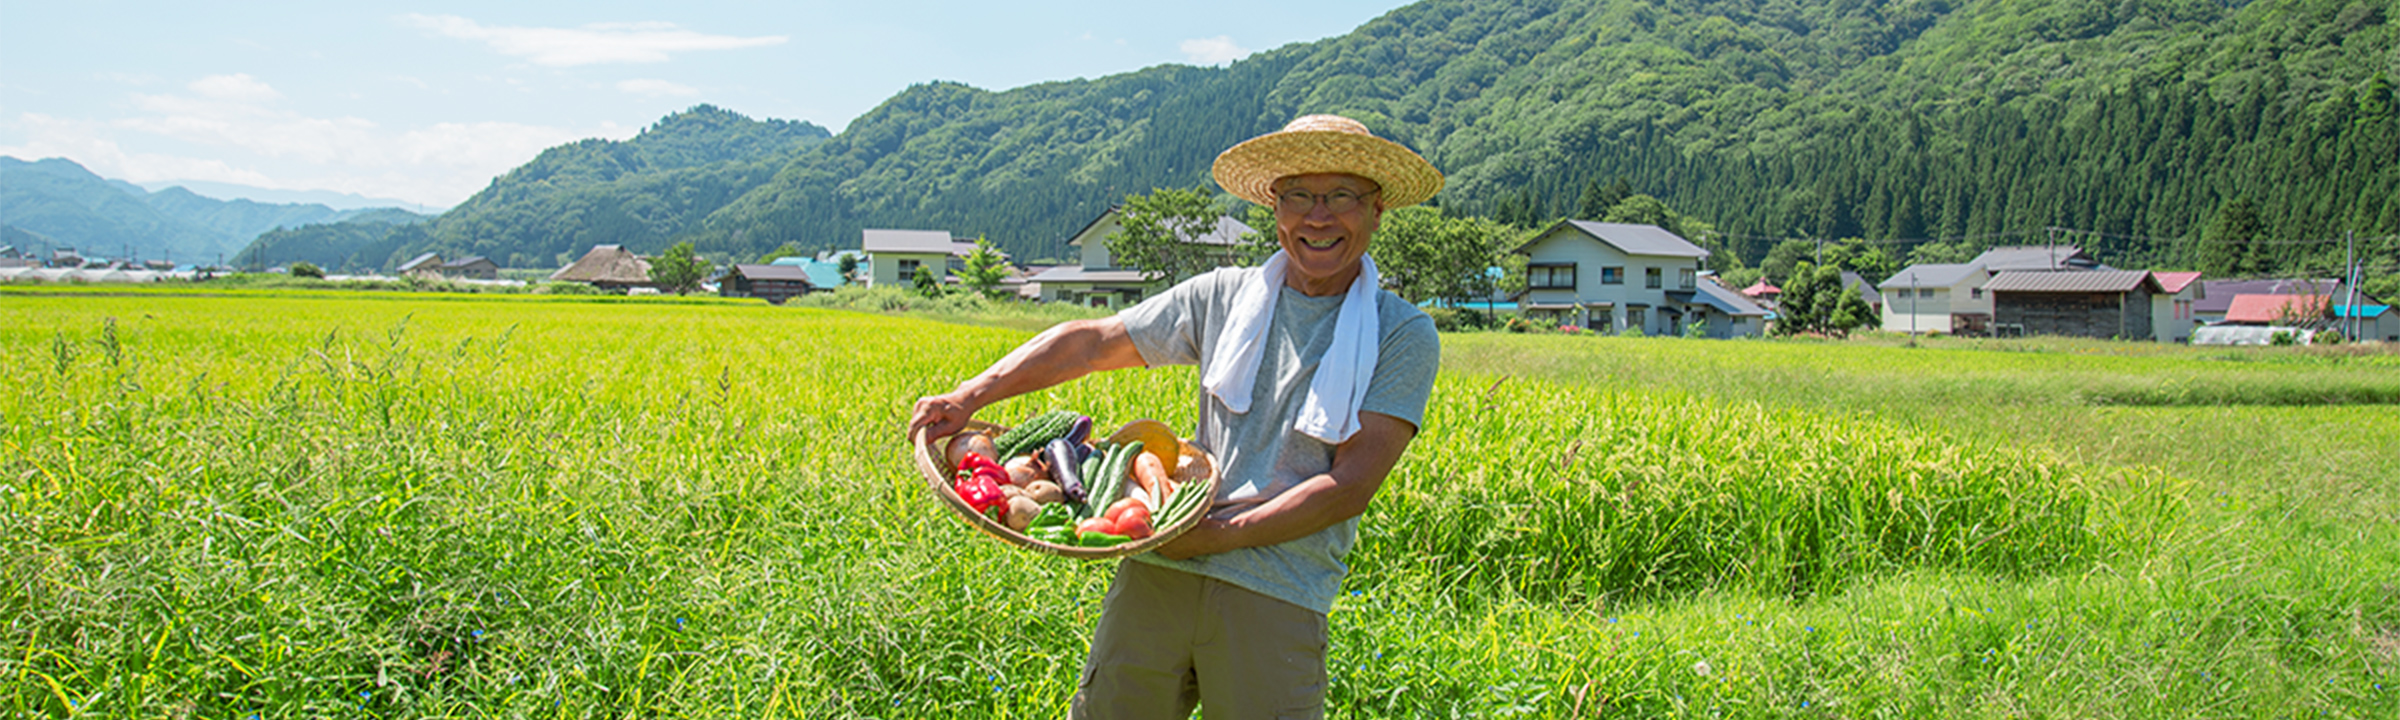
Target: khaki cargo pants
{"type": "Point", "coordinates": [1169, 639]}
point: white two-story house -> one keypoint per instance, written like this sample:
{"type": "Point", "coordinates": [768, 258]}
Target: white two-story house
{"type": "Point", "coordinates": [893, 256]}
{"type": "Point", "coordinates": [1943, 298]}
{"type": "Point", "coordinates": [1611, 277]}
{"type": "Point", "coordinates": [1097, 280]}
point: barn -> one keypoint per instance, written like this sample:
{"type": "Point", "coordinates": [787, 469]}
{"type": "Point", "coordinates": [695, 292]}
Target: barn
{"type": "Point", "coordinates": [2101, 304]}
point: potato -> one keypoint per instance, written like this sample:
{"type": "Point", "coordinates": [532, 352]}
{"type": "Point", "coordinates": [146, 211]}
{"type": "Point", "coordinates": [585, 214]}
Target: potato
{"type": "Point", "coordinates": [1011, 492]}
{"type": "Point", "coordinates": [1021, 510]}
{"type": "Point", "coordinates": [1044, 491]}
{"type": "Point", "coordinates": [971, 442]}
{"type": "Point", "coordinates": [1022, 470]}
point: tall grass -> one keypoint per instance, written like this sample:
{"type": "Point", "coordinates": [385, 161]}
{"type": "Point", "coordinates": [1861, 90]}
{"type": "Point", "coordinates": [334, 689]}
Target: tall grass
{"type": "Point", "coordinates": [398, 505]}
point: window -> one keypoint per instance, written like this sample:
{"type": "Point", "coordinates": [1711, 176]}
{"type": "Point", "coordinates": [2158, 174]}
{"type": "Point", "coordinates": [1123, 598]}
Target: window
{"type": "Point", "coordinates": [1612, 276]}
{"type": "Point", "coordinates": [1976, 293]}
{"type": "Point", "coordinates": [1690, 278]}
{"type": "Point", "coordinates": [908, 269]}
{"type": "Point", "coordinates": [1556, 276]}
{"type": "Point", "coordinates": [1652, 278]}
{"type": "Point", "coordinates": [1928, 292]}
{"type": "Point", "coordinates": [2183, 309]}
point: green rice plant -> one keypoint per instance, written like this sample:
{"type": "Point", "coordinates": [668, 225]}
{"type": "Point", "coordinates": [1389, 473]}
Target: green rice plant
{"type": "Point", "coordinates": [1532, 490]}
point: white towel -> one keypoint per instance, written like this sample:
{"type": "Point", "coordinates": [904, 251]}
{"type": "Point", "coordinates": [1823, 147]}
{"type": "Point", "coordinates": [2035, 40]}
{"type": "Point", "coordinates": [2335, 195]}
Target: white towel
{"type": "Point", "coordinates": [1340, 387]}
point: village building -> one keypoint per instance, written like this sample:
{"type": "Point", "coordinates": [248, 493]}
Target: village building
{"type": "Point", "coordinates": [893, 256]}
{"type": "Point", "coordinates": [472, 267]}
{"type": "Point", "coordinates": [2216, 296]}
{"type": "Point", "coordinates": [772, 283]}
{"type": "Point", "coordinates": [2171, 310]}
{"type": "Point", "coordinates": [2104, 304]}
{"type": "Point", "coordinates": [2367, 322]}
{"type": "Point", "coordinates": [1098, 281]}
{"type": "Point", "coordinates": [1614, 277]}
{"type": "Point", "coordinates": [609, 267]}
{"type": "Point", "coordinates": [1944, 298]}
{"type": "Point", "coordinates": [427, 266]}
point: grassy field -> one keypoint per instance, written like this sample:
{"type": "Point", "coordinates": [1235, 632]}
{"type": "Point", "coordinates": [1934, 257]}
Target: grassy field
{"type": "Point", "coordinates": [400, 505]}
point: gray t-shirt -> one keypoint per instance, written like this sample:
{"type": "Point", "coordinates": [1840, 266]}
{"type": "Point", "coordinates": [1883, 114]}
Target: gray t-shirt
{"type": "Point", "coordinates": [1258, 453]}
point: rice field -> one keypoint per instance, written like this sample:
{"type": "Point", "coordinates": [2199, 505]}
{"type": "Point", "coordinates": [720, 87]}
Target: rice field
{"type": "Point", "coordinates": [401, 505]}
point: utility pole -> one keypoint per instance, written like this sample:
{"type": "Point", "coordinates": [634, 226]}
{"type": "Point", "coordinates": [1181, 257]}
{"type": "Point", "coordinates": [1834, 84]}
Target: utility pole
{"type": "Point", "coordinates": [2350, 279]}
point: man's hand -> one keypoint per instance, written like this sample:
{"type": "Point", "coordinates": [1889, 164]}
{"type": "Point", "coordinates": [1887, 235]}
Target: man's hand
{"type": "Point", "coordinates": [939, 416]}
{"type": "Point", "coordinates": [1320, 502]}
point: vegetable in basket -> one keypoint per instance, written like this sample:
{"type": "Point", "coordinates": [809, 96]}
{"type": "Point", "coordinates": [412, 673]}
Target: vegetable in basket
{"type": "Point", "coordinates": [1063, 468]}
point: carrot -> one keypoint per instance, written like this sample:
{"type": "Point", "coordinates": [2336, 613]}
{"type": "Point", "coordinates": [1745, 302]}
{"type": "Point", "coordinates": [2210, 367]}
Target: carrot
{"type": "Point", "coordinates": [1152, 474]}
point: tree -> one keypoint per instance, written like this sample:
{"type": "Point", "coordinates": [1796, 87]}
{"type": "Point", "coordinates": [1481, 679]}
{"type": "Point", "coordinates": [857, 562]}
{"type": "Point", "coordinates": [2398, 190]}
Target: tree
{"type": "Point", "coordinates": [787, 249]}
{"type": "Point", "coordinates": [1814, 300]}
{"type": "Point", "coordinates": [1426, 256]}
{"type": "Point", "coordinates": [986, 267]}
{"type": "Point", "coordinates": [2226, 249]}
{"type": "Point", "coordinates": [925, 282]}
{"type": "Point", "coordinates": [1155, 234]}
{"type": "Point", "coordinates": [848, 265]}
{"type": "Point", "coordinates": [1941, 253]}
{"type": "Point", "coordinates": [1597, 200]}
{"type": "Point", "coordinates": [1787, 255]}
{"type": "Point", "coordinates": [678, 270]}
{"type": "Point", "coordinates": [307, 269]}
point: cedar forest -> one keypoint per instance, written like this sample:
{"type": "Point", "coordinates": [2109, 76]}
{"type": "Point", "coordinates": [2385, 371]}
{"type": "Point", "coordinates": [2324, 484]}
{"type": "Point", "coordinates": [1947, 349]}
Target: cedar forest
{"type": "Point", "coordinates": [2241, 139]}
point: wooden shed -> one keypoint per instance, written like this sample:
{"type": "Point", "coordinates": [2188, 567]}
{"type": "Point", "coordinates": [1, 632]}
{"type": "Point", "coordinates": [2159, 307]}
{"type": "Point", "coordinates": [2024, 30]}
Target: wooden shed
{"type": "Point", "coordinates": [2089, 303]}
{"type": "Point", "coordinates": [772, 283]}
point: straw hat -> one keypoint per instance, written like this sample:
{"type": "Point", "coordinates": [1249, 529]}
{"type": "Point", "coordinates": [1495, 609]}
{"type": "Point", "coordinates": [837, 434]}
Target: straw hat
{"type": "Point", "coordinates": [1325, 144]}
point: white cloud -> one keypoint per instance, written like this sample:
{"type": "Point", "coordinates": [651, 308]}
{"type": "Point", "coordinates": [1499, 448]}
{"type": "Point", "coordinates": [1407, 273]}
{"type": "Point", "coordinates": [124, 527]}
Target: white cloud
{"type": "Point", "coordinates": [437, 165]}
{"type": "Point", "coordinates": [588, 45]}
{"type": "Point", "coordinates": [1213, 51]}
{"type": "Point", "coordinates": [239, 87]}
{"type": "Point", "coordinates": [656, 88]}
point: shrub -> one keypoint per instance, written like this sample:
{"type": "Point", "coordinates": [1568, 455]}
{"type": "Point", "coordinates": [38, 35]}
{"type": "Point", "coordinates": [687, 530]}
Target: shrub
{"type": "Point", "coordinates": [307, 269]}
{"type": "Point", "coordinates": [2326, 337]}
{"type": "Point", "coordinates": [2280, 338]}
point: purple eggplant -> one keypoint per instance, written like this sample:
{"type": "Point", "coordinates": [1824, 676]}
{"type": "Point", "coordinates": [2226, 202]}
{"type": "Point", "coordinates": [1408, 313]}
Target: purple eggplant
{"type": "Point", "coordinates": [1080, 432]}
{"type": "Point", "coordinates": [1065, 467]}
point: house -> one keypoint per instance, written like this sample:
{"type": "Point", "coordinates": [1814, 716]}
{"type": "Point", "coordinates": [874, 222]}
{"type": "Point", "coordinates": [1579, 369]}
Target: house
{"type": "Point", "coordinates": [822, 274]}
{"type": "Point", "coordinates": [2266, 309]}
{"type": "Point", "coordinates": [1721, 312]}
{"type": "Point", "coordinates": [1937, 297]}
{"type": "Point", "coordinates": [1097, 281]}
{"type": "Point", "coordinates": [2106, 304]}
{"type": "Point", "coordinates": [2171, 316]}
{"type": "Point", "coordinates": [772, 283]}
{"type": "Point", "coordinates": [2048, 258]}
{"type": "Point", "coordinates": [1866, 290]}
{"type": "Point", "coordinates": [610, 267]}
{"type": "Point", "coordinates": [894, 255]}
{"type": "Point", "coordinates": [473, 267]}
{"type": "Point", "coordinates": [1762, 291]}
{"type": "Point", "coordinates": [2367, 322]}
{"type": "Point", "coordinates": [65, 258]}
{"type": "Point", "coordinates": [427, 266]}
{"type": "Point", "coordinates": [2216, 296]}
{"type": "Point", "coordinates": [1612, 277]}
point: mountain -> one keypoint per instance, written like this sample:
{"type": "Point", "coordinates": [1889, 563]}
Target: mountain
{"type": "Point", "coordinates": [372, 240]}
{"type": "Point", "coordinates": [274, 196]}
{"type": "Point", "coordinates": [1985, 120]}
{"type": "Point", "coordinates": [61, 200]}
{"type": "Point", "coordinates": [638, 192]}
{"type": "Point", "coordinates": [2132, 124]}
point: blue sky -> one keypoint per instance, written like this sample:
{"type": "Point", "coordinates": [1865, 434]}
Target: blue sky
{"type": "Point", "coordinates": [427, 102]}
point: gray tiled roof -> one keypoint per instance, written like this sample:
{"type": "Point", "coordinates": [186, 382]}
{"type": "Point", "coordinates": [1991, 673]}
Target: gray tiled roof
{"type": "Point", "coordinates": [2035, 257]}
{"type": "Point", "coordinates": [1631, 239]}
{"type": "Point", "coordinates": [1929, 276]}
{"type": "Point", "coordinates": [907, 241]}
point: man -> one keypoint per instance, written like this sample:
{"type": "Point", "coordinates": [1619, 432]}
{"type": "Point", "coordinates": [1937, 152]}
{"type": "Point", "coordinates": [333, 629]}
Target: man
{"type": "Point", "coordinates": [1314, 380]}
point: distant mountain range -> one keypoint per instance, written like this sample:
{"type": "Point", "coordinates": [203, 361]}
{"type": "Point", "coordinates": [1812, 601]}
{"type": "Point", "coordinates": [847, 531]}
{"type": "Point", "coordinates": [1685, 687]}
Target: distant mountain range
{"type": "Point", "coordinates": [59, 203]}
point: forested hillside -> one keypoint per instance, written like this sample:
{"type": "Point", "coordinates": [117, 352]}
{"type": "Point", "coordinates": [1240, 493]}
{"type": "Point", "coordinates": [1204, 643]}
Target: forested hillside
{"type": "Point", "coordinates": [2149, 129]}
{"type": "Point", "coordinates": [638, 192]}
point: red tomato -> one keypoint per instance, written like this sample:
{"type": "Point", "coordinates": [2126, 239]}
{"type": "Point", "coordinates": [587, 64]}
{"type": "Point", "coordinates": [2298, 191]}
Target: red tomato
{"type": "Point", "coordinates": [1129, 515]}
{"type": "Point", "coordinates": [1118, 509]}
{"type": "Point", "coordinates": [1136, 525]}
{"type": "Point", "coordinates": [1097, 525]}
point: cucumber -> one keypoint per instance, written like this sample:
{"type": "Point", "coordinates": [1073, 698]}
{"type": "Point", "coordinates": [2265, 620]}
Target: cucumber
{"type": "Point", "coordinates": [1034, 433]}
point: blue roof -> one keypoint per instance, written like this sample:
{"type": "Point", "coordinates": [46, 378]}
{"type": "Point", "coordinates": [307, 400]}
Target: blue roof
{"type": "Point", "coordinates": [827, 275]}
{"type": "Point", "coordinates": [2364, 311]}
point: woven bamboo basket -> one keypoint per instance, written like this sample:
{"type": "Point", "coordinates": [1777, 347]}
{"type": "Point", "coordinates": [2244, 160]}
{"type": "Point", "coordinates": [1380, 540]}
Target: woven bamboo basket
{"type": "Point", "coordinates": [934, 465]}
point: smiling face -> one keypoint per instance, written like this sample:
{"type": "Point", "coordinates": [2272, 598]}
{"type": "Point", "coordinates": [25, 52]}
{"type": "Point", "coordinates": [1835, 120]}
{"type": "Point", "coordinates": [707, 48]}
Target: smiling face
{"type": "Point", "coordinates": [1325, 245]}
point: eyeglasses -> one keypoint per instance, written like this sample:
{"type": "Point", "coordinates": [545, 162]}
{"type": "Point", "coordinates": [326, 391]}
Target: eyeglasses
{"type": "Point", "coordinates": [1299, 201]}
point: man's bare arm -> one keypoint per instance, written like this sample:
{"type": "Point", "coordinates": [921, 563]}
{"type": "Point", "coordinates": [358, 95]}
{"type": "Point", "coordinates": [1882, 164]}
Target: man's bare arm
{"type": "Point", "coordinates": [1064, 352]}
{"type": "Point", "coordinates": [1343, 492]}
